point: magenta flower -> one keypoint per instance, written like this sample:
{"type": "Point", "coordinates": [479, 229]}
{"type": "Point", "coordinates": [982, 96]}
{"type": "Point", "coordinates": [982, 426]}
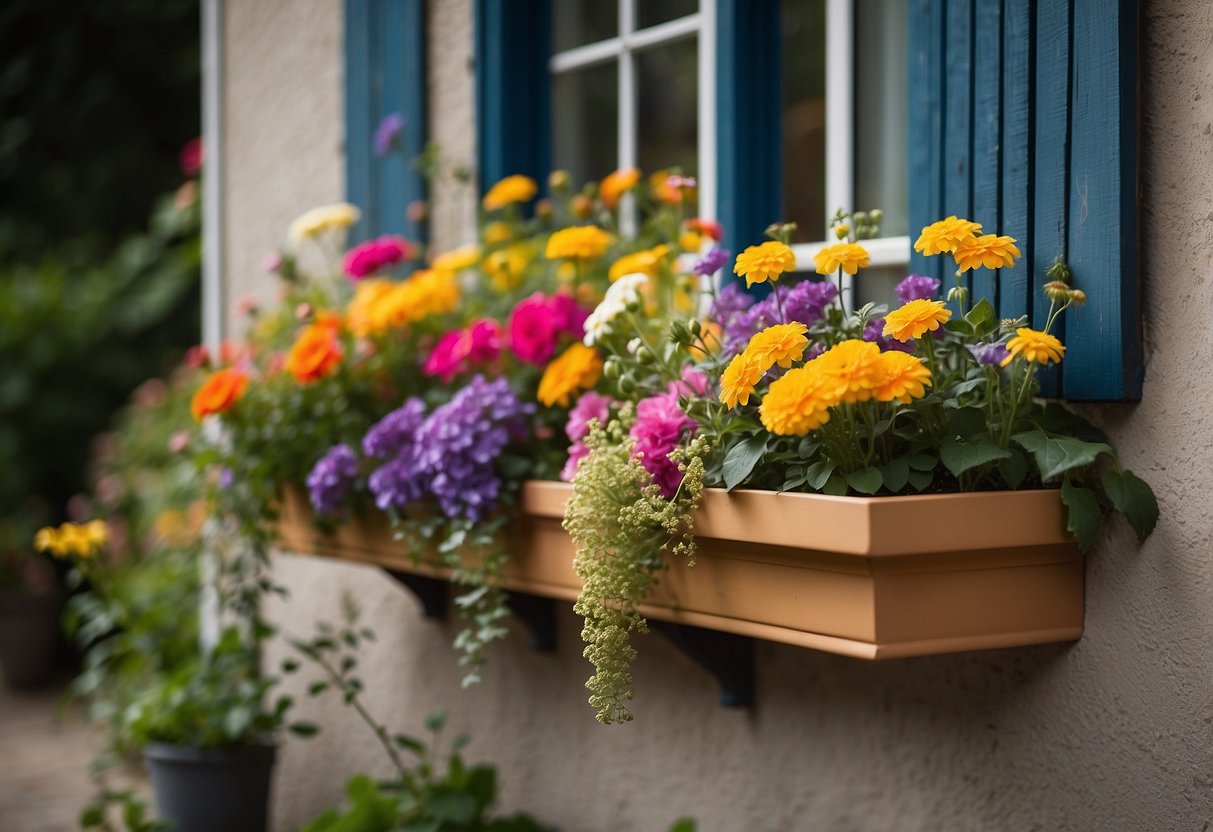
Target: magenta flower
{"type": "Point", "coordinates": [693, 384]}
{"type": "Point", "coordinates": [538, 323]}
{"type": "Point", "coordinates": [660, 427]}
{"type": "Point", "coordinates": [190, 158]}
{"type": "Point", "coordinates": [387, 133]}
{"type": "Point", "coordinates": [458, 351]}
{"type": "Point", "coordinates": [590, 406]}
{"type": "Point", "coordinates": [369, 257]}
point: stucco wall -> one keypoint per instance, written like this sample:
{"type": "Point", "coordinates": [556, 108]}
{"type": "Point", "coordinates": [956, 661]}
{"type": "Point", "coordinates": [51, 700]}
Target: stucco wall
{"type": "Point", "coordinates": [1111, 733]}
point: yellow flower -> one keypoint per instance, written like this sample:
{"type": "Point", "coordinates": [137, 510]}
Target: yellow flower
{"type": "Point", "coordinates": [496, 233]}
{"type": "Point", "coordinates": [646, 262]}
{"type": "Point", "coordinates": [903, 377]}
{"type": "Point", "coordinates": [577, 368]}
{"type": "Point", "coordinates": [850, 257]}
{"type": "Point", "coordinates": [850, 370]}
{"type": "Point", "coordinates": [614, 185]}
{"type": "Point", "coordinates": [368, 295]}
{"type": "Point", "coordinates": [1033, 345]}
{"type": "Point", "coordinates": [779, 344]}
{"type": "Point", "coordinates": [915, 318]}
{"type": "Point", "coordinates": [507, 266]}
{"type": "Point", "coordinates": [516, 188]}
{"type": "Point", "coordinates": [425, 293]}
{"type": "Point", "coordinates": [739, 379]}
{"type": "Point", "coordinates": [988, 250]}
{"type": "Point", "coordinates": [578, 242]}
{"type": "Point", "coordinates": [690, 242]}
{"type": "Point", "coordinates": [758, 264]}
{"type": "Point", "coordinates": [797, 402]}
{"type": "Point", "coordinates": [80, 539]}
{"type": "Point", "coordinates": [337, 217]}
{"type": "Point", "coordinates": [461, 258]}
{"type": "Point", "coordinates": [945, 235]}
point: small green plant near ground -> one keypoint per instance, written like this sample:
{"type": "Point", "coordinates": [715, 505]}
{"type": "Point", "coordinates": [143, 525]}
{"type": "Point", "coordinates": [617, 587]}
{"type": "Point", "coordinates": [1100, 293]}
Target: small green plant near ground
{"type": "Point", "coordinates": [433, 789]}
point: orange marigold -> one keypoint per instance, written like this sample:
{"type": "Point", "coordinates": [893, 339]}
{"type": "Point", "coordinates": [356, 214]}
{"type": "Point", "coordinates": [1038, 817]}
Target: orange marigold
{"type": "Point", "coordinates": [615, 185]}
{"type": "Point", "coordinates": [515, 188]}
{"type": "Point", "coordinates": [851, 370]}
{"type": "Point", "coordinates": [739, 379]}
{"type": "Point", "coordinates": [577, 368]}
{"type": "Point", "coordinates": [915, 318]}
{"type": "Point", "coordinates": [360, 313]}
{"type": "Point", "coordinates": [458, 259]}
{"type": "Point", "coordinates": [850, 257]}
{"type": "Point", "coordinates": [315, 354]}
{"type": "Point", "coordinates": [902, 377]}
{"type": "Point", "coordinates": [945, 235]}
{"type": "Point", "coordinates": [1033, 345]}
{"type": "Point", "coordinates": [989, 250]}
{"type": "Point", "coordinates": [779, 344]}
{"type": "Point", "coordinates": [758, 264]}
{"type": "Point", "coordinates": [798, 402]}
{"type": "Point", "coordinates": [578, 242]}
{"type": "Point", "coordinates": [647, 262]}
{"type": "Point", "coordinates": [221, 390]}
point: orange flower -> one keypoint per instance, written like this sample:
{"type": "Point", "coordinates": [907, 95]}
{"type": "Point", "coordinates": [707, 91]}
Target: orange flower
{"type": "Point", "coordinates": [989, 250]}
{"type": "Point", "coordinates": [614, 185]}
{"type": "Point", "coordinates": [315, 354]}
{"type": "Point", "coordinates": [739, 379]}
{"type": "Point", "coordinates": [915, 318]}
{"type": "Point", "coordinates": [903, 377]}
{"type": "Point", "coordinates": [218, 393]}
{"type": "Point", "coordinates": [577, 368]}
{"type": "Point", "coordinates": [767, 261]}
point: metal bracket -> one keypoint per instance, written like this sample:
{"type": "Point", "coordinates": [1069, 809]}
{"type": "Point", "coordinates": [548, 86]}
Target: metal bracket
{"type": "Point", "coordinates": [538, 615]}
{"type": "Point", "coordinates": [431, 592]}
{"type": "Point", "coordinates": [728, 657]}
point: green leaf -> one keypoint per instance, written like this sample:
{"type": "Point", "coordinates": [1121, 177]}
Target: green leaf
{"type": "Point", "coordinates": [982, 313]}
{"type": "Point", "coordinates": [959, 457]}
{"type": "Point", "coordinates": [1055, 418]}
{"type": "Point", "coordinates": [817, 473]}
{"type": "Point", "coordinates": [303, 729]}
{"type": "Point", "coordinates": [1082, 515]}
{"type": "Point", "coordinates": [741, 459]}
{"type": "Point", "coordinates": [317, 688]}
{"type": "Point", "coordinates": [867, 481]}
{"type": "Point", "coordinates": [683, 825]}
{"type": "Point", "coordinates": [410, 743]}
{"type": "Point", "coordinates": [959, 326]}
{"type": "Point", "coordinates": [1055, 455]}
{"type": "Point", "coordinates": [435, 721]}
{"type": "Point", "coordinates": [922, 462]}
{"type": "Point", "coordinates": [1133, 498]}
{"type": "Point", "coordinates": [1014, 468]}
{"type": "Point", "coordinates": [796, 477]}
{"type": "Point", "coordinates": [835, 486]}
{"type": "Point", "coordinates": [921, 479]}
{"type": "Point", "coordinates": [896, 473]}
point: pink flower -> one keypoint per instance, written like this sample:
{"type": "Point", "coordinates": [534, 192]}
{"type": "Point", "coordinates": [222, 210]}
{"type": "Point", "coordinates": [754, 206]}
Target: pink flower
{"type": "Point", "coordinates": [694, 384]}
{"type": "Point", "coordinates": [191, 157]}
{"type": "Point", "coordinates": [369, 257]}
{"type": "Point", "coordinates": [660, 427]}
{"type": "Point", "coordinates": [538, 322]}
{"type": "Point", "coordinates": [459, 350]}
{"type": "Point", "coordinates": [591, 405]}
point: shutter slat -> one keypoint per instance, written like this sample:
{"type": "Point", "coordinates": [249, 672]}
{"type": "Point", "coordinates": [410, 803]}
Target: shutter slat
{"type": "Point", "coordinates": [958, 109]}
{"type": "Point", "coordinates": [925, 136]}
{"type": "Point", "coordinates": [987, 109]}
{"type": "Point", "coordinates": [1014, 285]}
{"type": "Point", "coordinates": [359, 179]}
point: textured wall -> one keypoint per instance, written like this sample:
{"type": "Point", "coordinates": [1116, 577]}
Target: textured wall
{"type": "Point", "coordinates": [1111, 733]}
{"type": "Point", "coordinates": [452, 121]}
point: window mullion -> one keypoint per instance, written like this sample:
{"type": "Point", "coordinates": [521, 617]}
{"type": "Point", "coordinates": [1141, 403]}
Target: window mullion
{"type": "Point", "coordinates": [627, 111]}
{"type": "Point", "coordinates": [840, 117]}
{"type": "Point", "coordinates": [707, 109]}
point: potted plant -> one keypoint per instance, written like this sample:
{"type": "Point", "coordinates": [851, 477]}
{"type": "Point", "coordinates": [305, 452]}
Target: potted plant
{"type": "Point", "coordinates": [30, 602]}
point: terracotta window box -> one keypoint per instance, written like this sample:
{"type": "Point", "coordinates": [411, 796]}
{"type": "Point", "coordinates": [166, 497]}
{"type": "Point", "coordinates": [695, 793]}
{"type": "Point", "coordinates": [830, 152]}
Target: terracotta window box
{"type": "Point", "coordinates": [872, 578]}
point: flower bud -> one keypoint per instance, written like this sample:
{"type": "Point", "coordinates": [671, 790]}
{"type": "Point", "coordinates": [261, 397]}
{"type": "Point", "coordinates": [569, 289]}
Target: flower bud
{"type": "Point", "coordinates": [1058, 271]}
{"type": "Point", "coordinates": [543, 208]}
{"type": "Point", "coordinates": [581, 206]}
{"type": "Point", "coordinates": [860, 217]}
{"type": "Point", "coordinates": [626, 386]}
{"type": "Point", "coordinates": [958, 293]}
{"type": "Point", "coordinates": [694, 327]}
{"type": "Point", "coordinates": [611, 368]}
{"type": "Point", "coordinates": [1057, 291]}
{"type": "Point", "coordinates": [1078, 297]}
{"type": "Point", "coordinates": [418, 211]}
{"type": "Point", "coordinates": [558, 181]}
{"type": "Point", "coordinates": [841, 231]}
{"type": "Point", "coordinates": [679, 333]}
{"type": "Point", "coordinates": [876, 216]}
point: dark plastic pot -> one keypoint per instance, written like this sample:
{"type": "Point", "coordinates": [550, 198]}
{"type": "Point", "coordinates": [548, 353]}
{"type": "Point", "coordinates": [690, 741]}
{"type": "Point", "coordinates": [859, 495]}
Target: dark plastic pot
{"type": "Point", "coordinates": [211, 789]}
{"type": "Point", "coordinates": [29, 636]}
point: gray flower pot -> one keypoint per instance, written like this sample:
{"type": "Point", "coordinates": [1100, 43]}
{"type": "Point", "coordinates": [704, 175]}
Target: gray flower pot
{"type": "Point", "coordinates": [211, 789]}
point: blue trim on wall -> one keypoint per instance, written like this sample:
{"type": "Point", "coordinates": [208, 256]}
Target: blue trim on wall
{"type": "Point", "coordinates": [384, 74]}
{"type": "Point", "coordinates": [513, 89]}
{"type": "Point", "coordinates": [1018, 73]}
{"type": "Point", "coordinates": [925, 133]}
{"type": "Point", "coordinates": [749, 116]}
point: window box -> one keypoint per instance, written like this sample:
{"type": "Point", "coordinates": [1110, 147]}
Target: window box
{"type": "Point", "coordinates": [872, 578]}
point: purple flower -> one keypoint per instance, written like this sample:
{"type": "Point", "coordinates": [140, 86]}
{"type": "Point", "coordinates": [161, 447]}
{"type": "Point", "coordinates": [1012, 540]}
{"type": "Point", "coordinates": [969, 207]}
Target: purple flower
{"type": "Point", "coordinates": [874, 332]}
{"type": "Point", "coordinates": [387, 132]}
{"type": "Point", "coordinates": [713, 261]}
{"type": "Point", "coordinates": [917, 287]}
{"type": "Point", "coordinates": [392, 435]}
{"type": "Point", "coordinates": [991, 354]}
{"type": "Point", "coordinates": [331, 478]}
{"type": "Point", "coordinates": [660, 427]}
{"type": "Point", "coordinates": [805, 302]}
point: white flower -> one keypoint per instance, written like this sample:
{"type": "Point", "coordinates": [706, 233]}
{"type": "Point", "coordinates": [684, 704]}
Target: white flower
{"type": "Point", "coordinates": [337, 217]}
{"type": "Point", "coordinates": [623, 293]}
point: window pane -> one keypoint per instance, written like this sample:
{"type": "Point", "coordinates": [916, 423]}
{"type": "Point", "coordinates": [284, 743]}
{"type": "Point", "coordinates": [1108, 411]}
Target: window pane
{"type": "Point", "coordinates": [585, 114]}
{"type": "Point", "coordinates": [652, 12]}
{"type": "Point", "coordinates": [804, 117]}
{"type": "Point", "coordinates": [667, 107]}
{"type": "Point", "coordinates": [877, 284]}
{"type": "Point", "coordinates": [881, 113]}
{"type": "Point", "coordinates": [578, 22]}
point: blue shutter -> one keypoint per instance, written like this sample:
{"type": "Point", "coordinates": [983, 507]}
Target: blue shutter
{"type": "Point", "coordinates": [513, 44]}
{"type": "Point", "coordinates": [748, 114]}
{"type": "Point", "coordinates": [384, 74]}
{"type": "Point", "coordinates": [1024, 118]}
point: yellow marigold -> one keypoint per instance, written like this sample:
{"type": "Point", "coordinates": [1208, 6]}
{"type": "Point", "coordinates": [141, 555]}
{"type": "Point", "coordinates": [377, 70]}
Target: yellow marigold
{"type": "Point", "coordinates": [851, 371]}
{"type": "Point", "coordinates": [797, 402]}
{"type": "Point", "coordinates": [1033, 345]}
{"type": "Point", "coordinates": [850, 257]}
{"type": "Point", "coordinates": [902, 377]}
{"type": "Point", "coordinates": [577, 368]}
{"type": "Point", "coordinates": [80, 539]}
{"type": "Point", "coordinates": [690, 242]}
{"type": "Point", "coordinates": [739, 379]}
{"type": "Point", "coordinates": [516, 188]}
{"type": "Point", "coordinates": [758, 264]}
{"type": "Point", "coordinates": [945, 235]}
{"type": "Point", "coordinates": [578, 242]}
{"type": "Point", "coordinates": [427, 292]}
{"type": "Point", "coordinates": [989, 250]}
{"type": "Point", "coordinates": [616, 184]}
{"type": "Point", "coordinates": [647, 262]}
{"type": "Point", "coordinates": [496, 233]}
{"type": "Point", "coordinates": [779, 344]}
{"type": "Point", "coordinates": [367, 296]}
{"type": "Point", "coordinates": [459, 259]}
{"type": "Point", "coordinates": [915, 318]}
{"type": "Point", "coordinates": [337, 217]}
{"type": "Point", "coordinates": [507, 266]}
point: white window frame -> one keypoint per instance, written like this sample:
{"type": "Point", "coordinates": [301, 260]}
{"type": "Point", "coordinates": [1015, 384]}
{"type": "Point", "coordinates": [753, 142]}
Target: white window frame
{"type": "Point", "coordinates": [840, 115]}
